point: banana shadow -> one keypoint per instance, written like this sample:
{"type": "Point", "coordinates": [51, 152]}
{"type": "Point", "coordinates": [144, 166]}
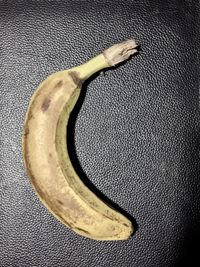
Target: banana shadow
{"type": "Point", "coordinates": [74, 158]}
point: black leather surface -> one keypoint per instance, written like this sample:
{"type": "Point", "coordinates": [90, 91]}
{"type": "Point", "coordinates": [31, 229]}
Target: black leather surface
{"type": "Point", "coordinates": [136, 129]}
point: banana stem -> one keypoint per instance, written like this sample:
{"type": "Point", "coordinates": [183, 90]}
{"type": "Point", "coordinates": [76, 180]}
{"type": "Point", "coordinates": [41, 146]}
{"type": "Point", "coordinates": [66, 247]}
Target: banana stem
{"type": "Point", "coordinates": [92, 66]}
{"type": "Point", "coordinates": [109, 58]}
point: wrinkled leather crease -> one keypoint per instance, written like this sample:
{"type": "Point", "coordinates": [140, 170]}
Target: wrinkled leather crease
{"type": "Point", "coordinates": [134, 134]}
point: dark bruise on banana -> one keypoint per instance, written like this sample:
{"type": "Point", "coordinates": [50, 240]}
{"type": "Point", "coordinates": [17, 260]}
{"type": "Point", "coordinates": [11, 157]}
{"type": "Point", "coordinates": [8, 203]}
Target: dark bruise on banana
{"type": "Point", "coordinates": [51, 172]}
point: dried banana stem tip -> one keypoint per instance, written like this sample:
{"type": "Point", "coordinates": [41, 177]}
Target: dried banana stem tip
{"type": "Point", "coordinates": [120, 52]}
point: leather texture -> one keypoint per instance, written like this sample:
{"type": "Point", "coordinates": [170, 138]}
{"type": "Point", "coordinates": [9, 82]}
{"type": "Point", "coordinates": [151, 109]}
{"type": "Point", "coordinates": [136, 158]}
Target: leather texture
{"type": "Point", "coordinates": [135, 131]}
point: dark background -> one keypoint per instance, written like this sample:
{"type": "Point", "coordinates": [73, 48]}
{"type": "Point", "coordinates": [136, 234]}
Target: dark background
{"type": "Point", "coordinates": [134, 133]}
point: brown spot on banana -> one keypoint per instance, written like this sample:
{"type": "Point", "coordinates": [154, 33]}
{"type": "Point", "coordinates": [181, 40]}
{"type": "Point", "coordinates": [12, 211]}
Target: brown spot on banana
{"type": "Point", "coordinates": [45, 104]}
{"type": "Point", "coordinates": [59, 84]}
{"type": "Point", "coordinates": [81, 230]}
{"type": "Point", "coordinates": [26, 131]}
{"type": "Point", "coordinates": [75, 77]}
{"type": "Point", "coordinates": [30, 116]}
{"type": "Point", "coordinates": [60, 202]}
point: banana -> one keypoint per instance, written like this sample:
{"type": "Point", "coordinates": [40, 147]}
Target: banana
{"type": "Point", "coordinates": [46, 157]}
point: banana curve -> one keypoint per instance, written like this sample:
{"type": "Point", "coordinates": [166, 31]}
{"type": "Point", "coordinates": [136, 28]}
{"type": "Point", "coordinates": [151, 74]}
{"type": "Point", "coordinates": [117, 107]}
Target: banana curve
{"type": "Point", "coordinates": [51, 172]}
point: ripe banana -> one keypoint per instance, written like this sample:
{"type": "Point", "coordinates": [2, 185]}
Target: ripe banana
{"type": "Point", "coordinates": [46, 157]}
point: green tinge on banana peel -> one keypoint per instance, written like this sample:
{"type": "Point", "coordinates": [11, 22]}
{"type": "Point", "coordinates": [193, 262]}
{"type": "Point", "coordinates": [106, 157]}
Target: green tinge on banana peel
{"type": "Point", "coordinates": [46, 156]}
